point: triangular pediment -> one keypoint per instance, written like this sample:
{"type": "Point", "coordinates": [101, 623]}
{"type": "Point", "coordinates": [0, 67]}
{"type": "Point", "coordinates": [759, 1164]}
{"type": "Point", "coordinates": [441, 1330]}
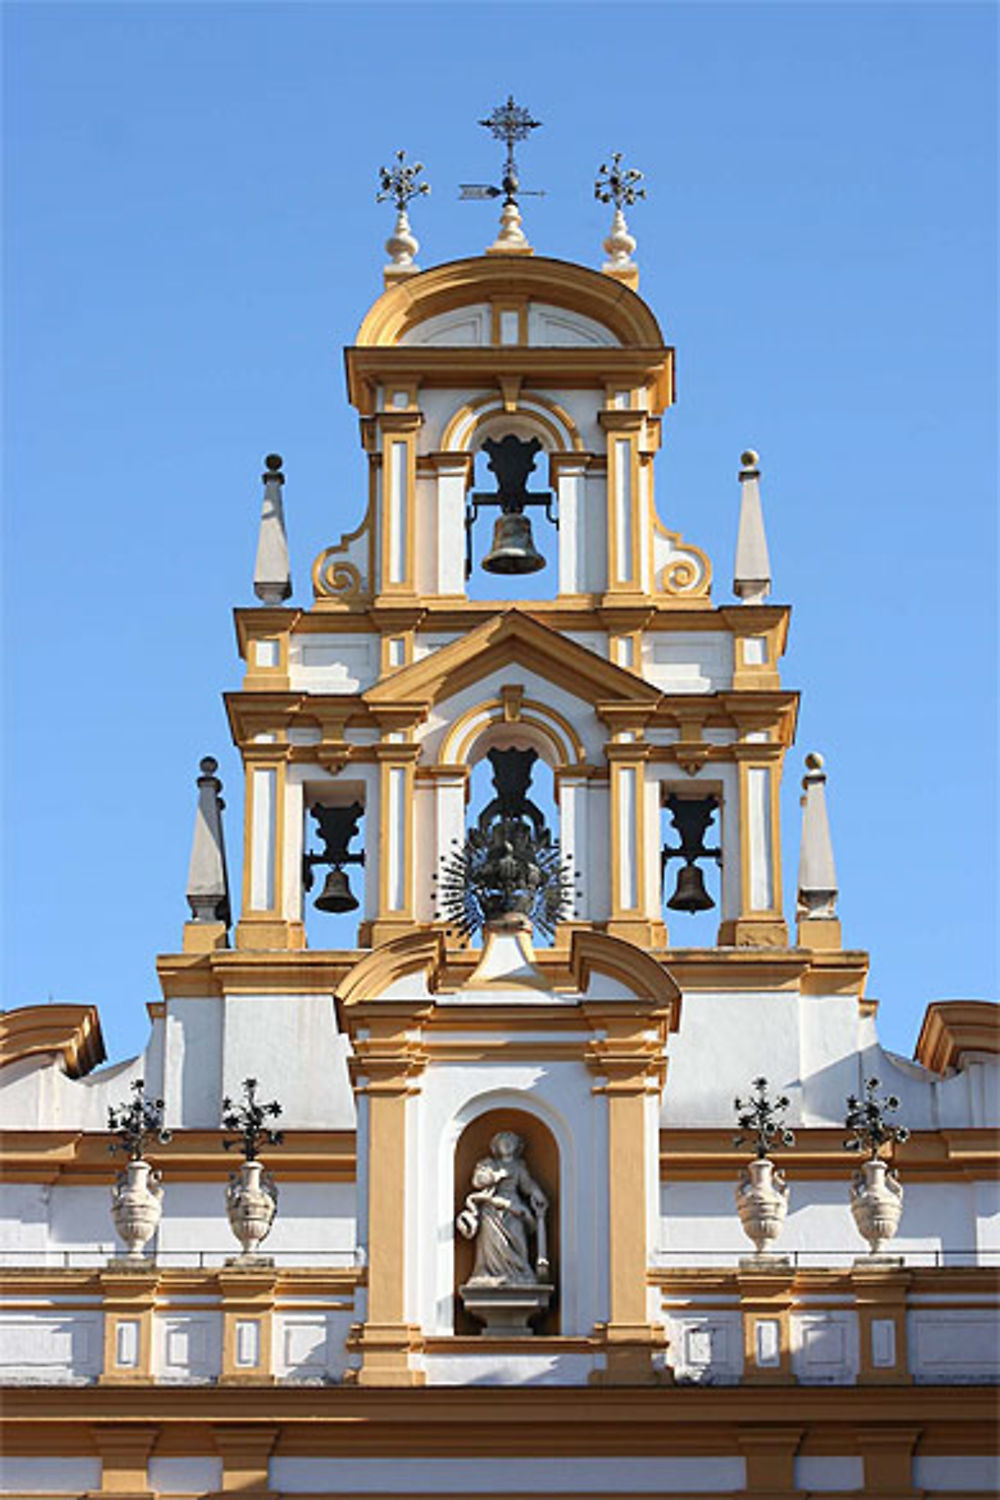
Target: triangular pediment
{"type": "Point", "coordinates": [512, 637]}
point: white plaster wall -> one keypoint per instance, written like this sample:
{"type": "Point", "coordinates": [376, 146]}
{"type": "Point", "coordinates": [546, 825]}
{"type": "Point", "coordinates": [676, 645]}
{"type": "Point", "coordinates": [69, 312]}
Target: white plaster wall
{"type": "Point", "coordinates": [185, 1476]}
{"type": "Point", "coordinates": [699, 1223]}
{"type": "Point", "coordinates": [315, 1223]}
{"type": "Point", "coordinates": [289, 1043]}
{"type": "Point", "coordinates": [705, 1346]}
{"type": "Point", "coordinates": [24, 1224]}
{"type": "Point", "coordinates": [973, 1475]}
{"type": "Point", "coordinates": [49, 1476]}
{"type": "Point", "coordinates": [953, 1345]}
{"type": "Point", "coordinates": [688, 661]}
{"type": "Point", "coordinates": [507, 1476]}
{"type": "Point", "coordinates": [36, 1094]}
{"type": "Point", "coordinates": [345, 663]}
{"type": "Point", "coordinates": [438, 407]}
{"type": "Point", "coordinates": [53, 1345]}
{"type": "Point", "coordinates": [187, 1346]}
{"type": "Point", "coordinates": [724, 1041]}
{"type": "Point", "coordinates": [464, 326]}
{"type": "Point", "coordinates": [557, 327]}
{"type": "Point", "coordinates": [830, 1473]}
{"type": "Point", "coordinates": [309, 1344]}
{"type": "Point", "coordinates": [824, 1346]}
{"type": "Point", "coordinates": [509, 1369]}
{"type": "Point", "coordinates": [193, 1068]}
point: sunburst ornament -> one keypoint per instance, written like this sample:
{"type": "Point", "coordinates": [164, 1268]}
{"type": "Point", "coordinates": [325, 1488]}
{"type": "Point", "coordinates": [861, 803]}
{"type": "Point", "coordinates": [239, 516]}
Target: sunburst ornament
{"type": "Point", "coordinates": [509, 863]}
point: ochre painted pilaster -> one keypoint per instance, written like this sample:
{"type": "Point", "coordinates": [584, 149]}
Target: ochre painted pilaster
{"type": "Point", "coordinates": [129, 1297]}
{"type": "Point", "coordinates": [386, 1063]}
{"type": "Point", "coordinates": [247, 1321]}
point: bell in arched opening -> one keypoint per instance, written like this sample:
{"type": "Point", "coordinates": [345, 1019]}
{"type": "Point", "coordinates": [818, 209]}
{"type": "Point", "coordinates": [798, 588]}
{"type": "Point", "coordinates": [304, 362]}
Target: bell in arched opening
{"type": "Point", "coordinates": [513, 551]}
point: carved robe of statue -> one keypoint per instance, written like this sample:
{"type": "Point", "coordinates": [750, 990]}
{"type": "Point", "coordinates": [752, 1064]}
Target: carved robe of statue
{"type": "Point", "coordinates": [503, 1213]}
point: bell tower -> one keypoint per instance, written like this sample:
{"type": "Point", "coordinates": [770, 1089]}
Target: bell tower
{"type": "Point", "coordinates": [517, 960]}
{"type": "Point", "coordinates": [647, 698]}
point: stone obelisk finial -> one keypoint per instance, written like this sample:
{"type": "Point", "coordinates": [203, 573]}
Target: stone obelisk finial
{"type": "Point", "coordinates": [272, 578]}
{"type": "Point", "coordinates": [816, 906]}
{"type": "Point", "coordinates": [208, 878]}
{"type": "Point", "coordinates": [619, 185]}
{"type": "Point", "coordinates": [399, 183]}
{"type": "Point", "coordinates": [752, 569]}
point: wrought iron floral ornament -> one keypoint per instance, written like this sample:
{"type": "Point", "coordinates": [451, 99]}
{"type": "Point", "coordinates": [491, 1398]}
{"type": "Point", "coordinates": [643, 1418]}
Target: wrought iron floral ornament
{"type": "Point", "coordinates": [398, 183]}
{"type": "Point", "coordinates": [617, 184]}
{"type": "Point", "coordinates": [509, 863]}
{"type": "Point", "coordinates": [137, 1122]}
{"type": "Point", "coordinates": [248, 1118]}
{"type": "Point", "coordinates": [866, 1120]}
{"type": "Point", "coordinates": [762, 1118]}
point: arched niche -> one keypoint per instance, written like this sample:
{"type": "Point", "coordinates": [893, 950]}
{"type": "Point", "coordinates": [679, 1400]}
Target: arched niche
{"type": "Point", "coordinates": [541, 1155]}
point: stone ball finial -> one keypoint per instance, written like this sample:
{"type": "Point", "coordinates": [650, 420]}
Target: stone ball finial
{"type": "Point", "coordinates": [750, 459]}
{"type": "Point", "coordinates": [273, 462]}
{"type": "Point", "coordinates": [814, 761]}
{"type": "Point", "coordinates": [209, 765]}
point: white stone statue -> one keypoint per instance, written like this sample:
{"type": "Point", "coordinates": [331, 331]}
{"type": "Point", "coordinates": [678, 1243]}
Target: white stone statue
{"type": "Point", "coordinates": [503, 1213]}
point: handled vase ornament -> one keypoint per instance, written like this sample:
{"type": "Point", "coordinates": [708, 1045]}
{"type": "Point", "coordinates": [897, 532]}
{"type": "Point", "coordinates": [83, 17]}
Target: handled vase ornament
{"type": "Point", "coordinates": [136, 1206]}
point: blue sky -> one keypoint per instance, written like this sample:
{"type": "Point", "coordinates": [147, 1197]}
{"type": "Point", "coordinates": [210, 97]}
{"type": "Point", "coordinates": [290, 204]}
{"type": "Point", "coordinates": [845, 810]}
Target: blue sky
{"type": "Point", "coordinates": [191, 239]}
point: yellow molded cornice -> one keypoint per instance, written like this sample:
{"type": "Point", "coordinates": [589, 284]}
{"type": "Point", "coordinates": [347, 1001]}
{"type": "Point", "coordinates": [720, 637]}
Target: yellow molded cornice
{"type": "Point", "coordinates": [698, 1155]}
{"type": "Point", "coordinates": [191, 1156]}
{"type": "Point", "coordinates": [953, 1027]}
{"type": "Point", "coordinates": [351, 1421]}
{"type": "Point", "coordinates": [73, 1032]}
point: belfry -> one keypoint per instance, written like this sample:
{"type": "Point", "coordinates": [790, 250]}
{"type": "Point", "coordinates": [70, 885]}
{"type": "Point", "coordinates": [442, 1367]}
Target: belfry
{"type": "Point", "coordinates": [504, 752]}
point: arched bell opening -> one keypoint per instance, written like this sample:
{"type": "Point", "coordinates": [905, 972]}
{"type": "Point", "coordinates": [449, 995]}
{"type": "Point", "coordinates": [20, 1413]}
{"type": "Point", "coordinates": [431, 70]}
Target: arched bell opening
{"type": "Point", "coordinates": [496, 1235]}
{"type": "Point", "coordinates": [691, 846]}
{"type": "Point", "coordinates": [509, 844]}
{"type": "Point", "coordinates": [512, 540]}
{"type": "Point", "coordinates": [334, 863]}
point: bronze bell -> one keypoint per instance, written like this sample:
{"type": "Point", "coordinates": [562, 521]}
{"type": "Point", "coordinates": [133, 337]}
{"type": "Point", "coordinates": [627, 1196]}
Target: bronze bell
{"type": "Point", "coordinates": [336, 895]}
{"type": "Point", "coordinates": [513, 549]}
{"type": "Point", "coordinates": [690, 894]}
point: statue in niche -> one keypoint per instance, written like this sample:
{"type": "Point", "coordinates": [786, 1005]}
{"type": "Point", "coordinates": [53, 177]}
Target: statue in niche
{"type": "Point", "coordinates": [503, 1213]}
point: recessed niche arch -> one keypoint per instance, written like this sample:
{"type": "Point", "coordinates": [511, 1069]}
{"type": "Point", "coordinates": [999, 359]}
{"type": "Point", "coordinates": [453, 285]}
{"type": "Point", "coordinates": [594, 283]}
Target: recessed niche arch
{"type": "Point", "coordinates": [542, 1158]}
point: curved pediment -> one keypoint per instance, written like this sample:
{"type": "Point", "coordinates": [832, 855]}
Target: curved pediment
{"type": "Point", "coordinates": [576, 306]}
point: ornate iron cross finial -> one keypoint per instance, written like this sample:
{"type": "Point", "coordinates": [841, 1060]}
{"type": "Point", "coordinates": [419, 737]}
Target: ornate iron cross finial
{"type": "Point", "coordinates": [509, 122]}
{"type": "Point", "coordinates": [399, 184]}
{"type": "Point", "coordinates": [617, 184]}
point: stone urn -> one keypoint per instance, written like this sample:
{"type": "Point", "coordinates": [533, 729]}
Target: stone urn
{"type": "Point", "coordinates": [136, 1205]}
{"type": "Point", "coordinates": [762, 1202]}
{"type": "Point", "coordinates": [251, 1202]}
{"type": "Point", "coordinates": [876, 1203]}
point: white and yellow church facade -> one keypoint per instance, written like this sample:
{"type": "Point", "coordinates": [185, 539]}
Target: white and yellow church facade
{"type": "Point", "coordinates": [668, 1357]}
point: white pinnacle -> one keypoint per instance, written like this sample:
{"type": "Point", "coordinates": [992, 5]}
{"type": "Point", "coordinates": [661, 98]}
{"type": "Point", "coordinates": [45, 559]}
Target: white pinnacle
{"type": "Point", "coordinates": [208, 880]}
{"type": "Point", "coordinates": [752, 569]}
{"type": "Point", "coordinates": [817, 888]}
{"type": "Point", "coordinates": [272, 579]}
